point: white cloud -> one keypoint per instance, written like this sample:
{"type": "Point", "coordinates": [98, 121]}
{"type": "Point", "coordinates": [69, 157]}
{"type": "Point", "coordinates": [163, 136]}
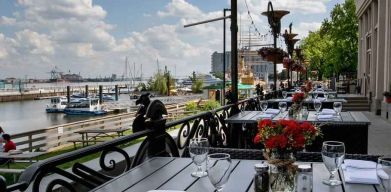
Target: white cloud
{"type": "Point", "coordinates": [7, 20]}
{"type": "Point", "coordinates": [304, 27]}
{"type": "Point", "coordinates": [34, 42]}
{"type": "Point", "coordinates": [180, 8]}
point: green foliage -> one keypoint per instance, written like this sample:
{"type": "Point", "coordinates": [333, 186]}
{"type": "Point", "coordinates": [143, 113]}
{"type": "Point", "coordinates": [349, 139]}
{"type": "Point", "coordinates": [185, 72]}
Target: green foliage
{"type": "Point", "coordinates": [159, 82]}
{"type": "Point", "coordinates": [197, 83]}
{"type": "Point", "coordinates": [210, 105]}
{"type": "Point", "coordinates": [334, 48]}
{"type": "Point", "coordinates": [191, 106]}
{"type": "Point", "coordinates": [141, 87]}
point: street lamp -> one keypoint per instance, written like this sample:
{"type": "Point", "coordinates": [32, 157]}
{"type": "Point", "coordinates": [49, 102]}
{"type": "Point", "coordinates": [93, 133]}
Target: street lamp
{"type": "Point", "coordinates": [274, 19]}
{"type": "Point", "coordinates": [290, 43]}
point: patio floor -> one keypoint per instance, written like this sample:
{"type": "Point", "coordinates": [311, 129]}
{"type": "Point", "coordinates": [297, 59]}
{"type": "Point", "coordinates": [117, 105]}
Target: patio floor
{"type": "Point", "coordinates": [379, 135]}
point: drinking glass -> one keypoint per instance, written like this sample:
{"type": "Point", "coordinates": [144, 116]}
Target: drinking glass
{"type": "Point", "coordinates": [315, 93]}
{"type": "Point", "coordinates": [337, 107]}
{"type": "Point", "coordinates": [333, 153]}
{"type": "Point", "coordinates": [326, 95]}
{"type": "Point", "coordinates": [284, 94]}
{"type": "Point", "coordinates": [383, 171]}
{"type": "Point", "coordinates": [198, 149]}
{"type": "Point", "coordinates": [317, 106]}
{"type": "Point", "coordinates": [282, 106]}
{"type": "Point", "coordinates": [218, 167]}
{"type": "Point", "coordinates": [264, 105]}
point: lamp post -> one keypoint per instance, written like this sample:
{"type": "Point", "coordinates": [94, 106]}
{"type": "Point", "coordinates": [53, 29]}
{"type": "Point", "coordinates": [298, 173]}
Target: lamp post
{"type": "Point", "coordinates": [290, 43]}
{"type": "Point", "coordinates": [274, 19]}
{"type": "Point", "coordinates": [224, 64]}
{"type": "Point", "coordinates": [300, 58]}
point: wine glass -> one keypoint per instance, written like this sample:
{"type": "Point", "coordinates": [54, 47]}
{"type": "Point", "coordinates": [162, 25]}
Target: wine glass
{"type": "Point", "coordinates": [282, 106]}
{"type": "Point", "coordinates": [383, 171]}
{"type": "Point", "coordinates": [284, 94]}
{"type": "Point", "coordinates": [333, 154]}
{"type": "Point", "coordinates": [264, 105]}
{"type": "Point", "coordinates": [337, 107]}
{"type": "Point", "coordinates": [198, 149]}
{"type": "Point", "coordinates": [317, 106]}
{"type": "Point", "coordinates": [315, 93]}
{"type": "Point", "coordinates": [218, 167]}
{"type": "Point", "coordinates": [326, 95]}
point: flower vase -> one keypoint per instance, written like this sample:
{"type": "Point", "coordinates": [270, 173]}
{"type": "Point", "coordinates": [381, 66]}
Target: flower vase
{"type": "Point", "coordinates": [296, 107]}
{"type": "Point", "coordinates": [282, 172]}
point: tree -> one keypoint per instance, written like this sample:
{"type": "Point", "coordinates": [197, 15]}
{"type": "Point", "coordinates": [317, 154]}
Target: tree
{"type": "Point", "coordinates": [161, 82]}
{"type": "Point", "coordinates": [197, 83]}
{"type": "Point", "coordinates": [334, 48]}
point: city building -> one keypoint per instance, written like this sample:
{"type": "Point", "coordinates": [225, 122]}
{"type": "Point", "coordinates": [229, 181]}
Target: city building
{"type": "Point", "coordinates": [374, 54]}
{"type": "Point", "coordinates": [260, 68]}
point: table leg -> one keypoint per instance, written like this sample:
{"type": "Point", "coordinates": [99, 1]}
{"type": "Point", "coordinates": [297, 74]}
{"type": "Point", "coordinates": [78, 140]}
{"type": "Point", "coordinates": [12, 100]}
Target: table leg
{"type": "Point", "coordinates": [87, 139]}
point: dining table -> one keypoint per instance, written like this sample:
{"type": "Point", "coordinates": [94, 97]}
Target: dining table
{"type": "Point", "coordinates": [174, 173]}
{"type": "Point", "coordinates": [350, 127]}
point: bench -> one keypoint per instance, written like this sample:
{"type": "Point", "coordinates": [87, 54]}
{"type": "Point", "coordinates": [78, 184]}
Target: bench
{"type": "Point", "coordinates": [14, 172]}
{"type": "Point", "coordinates": [83, 142]}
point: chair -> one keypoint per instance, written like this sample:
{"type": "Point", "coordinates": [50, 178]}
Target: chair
{"type": "Point", "coordinates": [249, 154]}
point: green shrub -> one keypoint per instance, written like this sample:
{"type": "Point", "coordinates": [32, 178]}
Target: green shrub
{"type": "Point", "coordinates": [210, 105]}
{"type": "Point", "coordinates": [191, 106]}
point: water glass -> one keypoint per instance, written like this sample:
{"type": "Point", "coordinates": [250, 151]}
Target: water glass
{"type": "Point", "coordinates": [264, 105]}
{"type": "Point", "coordinates": [284, 94]}
{"type": "Point", "coordinates": [383, 171]}
{"type": "Point", "coordinates": [337, 107]}
{"type": "Point", "coordinates": [198, 149]}
{"type": "Point", "coordinates": [218, 167]}
{"type": "Point", "coordinates": [333, 154]}
{"type": "Point", "coordinates": [326, 95]}
{"type": "Point", "coordinates": [282, 106]}
{"type": "Point", "coordinates": [315, 94]}
{"type": "Point", "coordinates": [317, 106]}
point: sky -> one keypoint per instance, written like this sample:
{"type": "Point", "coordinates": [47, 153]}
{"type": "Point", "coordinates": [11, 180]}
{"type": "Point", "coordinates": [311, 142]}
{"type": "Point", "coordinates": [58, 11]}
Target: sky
{"type": "Point", "coordinates": [94, 37]}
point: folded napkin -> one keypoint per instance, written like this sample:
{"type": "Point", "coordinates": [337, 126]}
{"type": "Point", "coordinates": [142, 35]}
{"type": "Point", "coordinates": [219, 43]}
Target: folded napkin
{"type": "Point", "coordinates": [325, 117]}
{"type": "Point", "coordinates": [321, 99]}
{"type": "Point", "coordinates": [272, 111]}
{"type": "Point", "coordinates": [359, 171]}
{"type": "Point", "coordinates": [288, 99]}
{"type": "Point", "coordinates": [265, 116]}
{"type": "Point", "coordinates": [327, 112]}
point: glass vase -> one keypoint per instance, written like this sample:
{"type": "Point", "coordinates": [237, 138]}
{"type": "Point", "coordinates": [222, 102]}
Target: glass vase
{"type": "Point", "coordinates": [282, 172]}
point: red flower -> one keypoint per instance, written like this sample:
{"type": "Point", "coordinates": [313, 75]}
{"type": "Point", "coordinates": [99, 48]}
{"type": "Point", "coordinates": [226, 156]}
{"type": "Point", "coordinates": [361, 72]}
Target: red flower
{"type": "Point", "coordinates": [265, 123]}
{"type": "Point", "coordinates": [298, 97]}
{"type": "Point", "coordinates": [299, 141]}
{"type": "Point", "coordinates": [257, 139]}
{"type": "Point", "coordinates": [306, 126]}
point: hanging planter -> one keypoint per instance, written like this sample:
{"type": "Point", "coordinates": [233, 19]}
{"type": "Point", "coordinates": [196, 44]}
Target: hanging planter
{"type": "Point", "coordinates": [272, 54]}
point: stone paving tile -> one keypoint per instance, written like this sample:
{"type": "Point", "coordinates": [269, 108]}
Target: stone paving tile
{"type": "Point", "coordinates": [379, 135]}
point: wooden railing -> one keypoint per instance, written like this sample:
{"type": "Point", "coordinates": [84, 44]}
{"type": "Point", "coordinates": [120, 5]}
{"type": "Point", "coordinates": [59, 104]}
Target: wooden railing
{"type": "Point", "coordinates": [57, 137]}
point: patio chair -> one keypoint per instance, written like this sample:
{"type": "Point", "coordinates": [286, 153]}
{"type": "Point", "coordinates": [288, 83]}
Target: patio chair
{"type": "Point", "coordinates": [250, 154]}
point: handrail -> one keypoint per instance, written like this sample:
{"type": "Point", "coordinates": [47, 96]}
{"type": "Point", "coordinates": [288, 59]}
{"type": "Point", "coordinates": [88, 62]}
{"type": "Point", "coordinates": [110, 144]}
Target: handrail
{"type": "Point", "coordinates": [208, 124]}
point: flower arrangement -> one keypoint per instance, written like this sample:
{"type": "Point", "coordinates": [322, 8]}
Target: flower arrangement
{"type": "Point", "coordinates": [287, 62]}
{"type": "Point", "coordinates": [285, 135]}
{"type": "Point", "coordinates": [298, 97]}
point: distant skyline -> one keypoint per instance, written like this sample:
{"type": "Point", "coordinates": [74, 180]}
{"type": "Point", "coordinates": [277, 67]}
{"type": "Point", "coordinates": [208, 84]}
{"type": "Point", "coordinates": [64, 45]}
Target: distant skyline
{"type": "Point", "coordinates": [94, 37]}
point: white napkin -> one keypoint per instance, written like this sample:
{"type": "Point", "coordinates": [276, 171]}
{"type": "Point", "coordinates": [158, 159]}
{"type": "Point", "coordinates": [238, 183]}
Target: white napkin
{"type": "Point", "coordinates": [325, 117]}
{"type": "Point", "coordinates": [321, 99]}
{"type": "Point", "coordinates": [359, 171]}
{"type": "Point", "coordinates": [272, 111]}
{"type": "Point", "coordinates": [288, 99]}
{"type": "Point", "coordinates": [265, 116]}
{"type": "Point", "coordinates": [327, 112]}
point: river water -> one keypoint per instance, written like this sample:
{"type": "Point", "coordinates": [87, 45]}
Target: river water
{"type": "Point", "coordinates": [23, 116]}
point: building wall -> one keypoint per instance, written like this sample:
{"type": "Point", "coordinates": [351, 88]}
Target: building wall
{"type": "Point", "coordinates": [374, 54]}
{"type": "Point", "coordinates": [260, 68]}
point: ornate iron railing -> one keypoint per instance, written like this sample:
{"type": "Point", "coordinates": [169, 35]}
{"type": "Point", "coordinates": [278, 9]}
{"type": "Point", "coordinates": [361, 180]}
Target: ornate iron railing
{"type": "Point", "coordinates": [157, 142]}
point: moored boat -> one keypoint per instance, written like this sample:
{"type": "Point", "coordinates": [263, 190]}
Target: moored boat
{"type": "Point", "coordinates": [84, 106]}
{"type": "Point", "coordinates": [57, 105]}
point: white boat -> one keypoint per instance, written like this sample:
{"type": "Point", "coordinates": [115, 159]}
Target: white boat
{"type": "Point", "coordinates": [84, 106]}
{"type": "Point", "coordinates": [57, 105]}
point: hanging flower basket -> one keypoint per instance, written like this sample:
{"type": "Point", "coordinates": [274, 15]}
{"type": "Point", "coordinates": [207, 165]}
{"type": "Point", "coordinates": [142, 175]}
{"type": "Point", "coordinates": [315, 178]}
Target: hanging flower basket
{"type": "Point", "coordinates": [287, 62]}
{"type": "Point", "coordinates": [272, 54]}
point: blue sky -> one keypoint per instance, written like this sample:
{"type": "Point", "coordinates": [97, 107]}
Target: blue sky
{"type": "Point", "coordinates": [94, 37]}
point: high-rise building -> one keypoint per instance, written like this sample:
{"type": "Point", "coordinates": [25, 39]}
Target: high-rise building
{"type": "Point", "coordinates": [260, 68]}
{"type": "Point", "coordinates": [374, 51]}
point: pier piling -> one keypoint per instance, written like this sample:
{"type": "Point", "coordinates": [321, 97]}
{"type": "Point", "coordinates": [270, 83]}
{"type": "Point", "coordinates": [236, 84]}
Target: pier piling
{"type": "Point", "coordinates": [86, 91]}
{"type": "Point", "coordinates": [116, 92]}
{"type": "Point", "coordinates": [100, 94]}
{"type": "Point", "coordinates": [68, 94]}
